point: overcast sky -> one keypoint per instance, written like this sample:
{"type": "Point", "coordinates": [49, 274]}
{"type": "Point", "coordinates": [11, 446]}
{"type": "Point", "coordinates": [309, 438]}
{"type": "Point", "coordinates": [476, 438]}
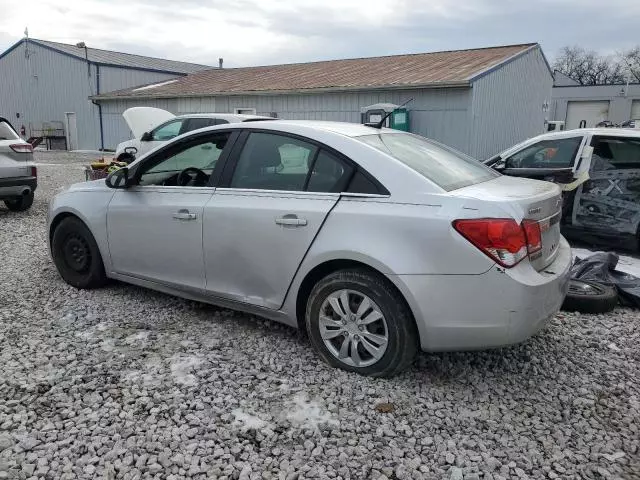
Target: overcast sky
{"type": "Point", "coordinates": [261, 32]}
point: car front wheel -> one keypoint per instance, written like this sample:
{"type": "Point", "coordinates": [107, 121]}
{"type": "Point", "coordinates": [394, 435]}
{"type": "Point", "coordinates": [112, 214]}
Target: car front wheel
{"type": "Point", "coordinates": [357, 321]}
{"type": "Point", "coordinates": [76, 254]}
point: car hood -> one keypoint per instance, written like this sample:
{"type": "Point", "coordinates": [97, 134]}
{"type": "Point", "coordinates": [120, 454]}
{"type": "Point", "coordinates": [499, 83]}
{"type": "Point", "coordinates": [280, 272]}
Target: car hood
{"type": "Point", "coordinates": [88, 186]}
{"type": "Point", "coordinates": [143, 119]}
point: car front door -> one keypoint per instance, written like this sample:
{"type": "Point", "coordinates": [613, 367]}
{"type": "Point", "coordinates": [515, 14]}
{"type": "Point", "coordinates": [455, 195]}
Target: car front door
{"type": "Point", "coordinates": [551, 159]}
{"type": "Point", "coordinates": [155, 226]}
{"type": "Point", "coordinates": [274, 197]}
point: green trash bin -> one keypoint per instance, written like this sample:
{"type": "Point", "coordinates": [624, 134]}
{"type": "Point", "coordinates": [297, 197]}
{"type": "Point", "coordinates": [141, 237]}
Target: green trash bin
{"type": "Point", "coordinates": [400, 119]}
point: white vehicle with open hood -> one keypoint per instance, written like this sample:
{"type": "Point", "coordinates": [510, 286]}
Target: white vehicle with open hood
{"type": "Point", "coordinates": [153, 126]}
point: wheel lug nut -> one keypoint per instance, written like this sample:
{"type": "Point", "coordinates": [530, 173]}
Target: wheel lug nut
{"type": "Point", "coordinates": [361, 327]}
{"type": "Point", "coordinates": [344, 322]}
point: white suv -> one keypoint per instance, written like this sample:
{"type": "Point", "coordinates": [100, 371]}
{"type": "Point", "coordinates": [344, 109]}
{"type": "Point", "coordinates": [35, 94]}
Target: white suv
{"type": "Point", "coordinates": [18, 174]}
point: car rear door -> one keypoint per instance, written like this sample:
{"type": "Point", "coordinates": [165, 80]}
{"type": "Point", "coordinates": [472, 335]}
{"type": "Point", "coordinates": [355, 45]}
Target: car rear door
{"type": "Point", "coordinates": [274, 196]}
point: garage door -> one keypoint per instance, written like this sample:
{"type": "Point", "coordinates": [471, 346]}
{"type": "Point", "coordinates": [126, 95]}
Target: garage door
{"type": "Point", "coordinates": [588, 112]}
{"type": "Point", "coordinates": [635, 109]}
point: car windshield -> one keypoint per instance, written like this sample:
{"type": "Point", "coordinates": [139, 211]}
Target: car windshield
{"type": "Point", "coordinates": [444, 166]}
{"type": "Point", "coordinates": [6, 132]}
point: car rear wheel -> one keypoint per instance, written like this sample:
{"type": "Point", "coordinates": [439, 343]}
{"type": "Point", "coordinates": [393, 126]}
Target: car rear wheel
{"type": "Point", "coordinates": [76, 255]}
{"type": "Point", "coordinates": [21, 203]}
{"type": "Point", "coordinates": [358, 322]}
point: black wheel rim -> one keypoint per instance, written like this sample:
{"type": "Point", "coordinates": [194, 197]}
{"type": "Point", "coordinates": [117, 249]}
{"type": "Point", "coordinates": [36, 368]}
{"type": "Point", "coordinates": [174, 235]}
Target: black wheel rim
{"type": "Point", "coordinates": [580, 288]}
{"type": "Point", "coordinates": [76, 252]}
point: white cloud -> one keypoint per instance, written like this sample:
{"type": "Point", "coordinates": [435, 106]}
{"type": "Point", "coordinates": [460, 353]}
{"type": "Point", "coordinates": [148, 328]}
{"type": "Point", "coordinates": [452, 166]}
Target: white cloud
{"type": "Point", "coordinates": [249, 32]}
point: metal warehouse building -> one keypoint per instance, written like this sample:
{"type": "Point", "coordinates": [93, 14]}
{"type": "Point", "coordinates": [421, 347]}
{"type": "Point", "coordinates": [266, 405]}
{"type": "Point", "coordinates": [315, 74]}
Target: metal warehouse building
{"type": "Point", "coordinates": [586, 105]}
{"type": "Point", "coordinates": [45, 87]}
{"type": "Point", "coordinates": [479, 101]}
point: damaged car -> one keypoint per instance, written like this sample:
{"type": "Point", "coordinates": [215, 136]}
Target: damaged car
{"type": "Point", "coordinates": [375, 242]}
{"type": "Point", "coordinates": [598, 170]}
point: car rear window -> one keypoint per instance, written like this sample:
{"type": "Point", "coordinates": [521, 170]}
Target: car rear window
{"type": "Point", "coordinates": [6, 132]}
{"type": "Point", "coordinates": [444, 166]}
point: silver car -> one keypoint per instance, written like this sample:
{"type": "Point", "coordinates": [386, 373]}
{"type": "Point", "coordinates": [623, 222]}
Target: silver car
{"type": "Point", "coordinates": [18, 174]}
{"type": "Point", "coordinates": [376, 242]}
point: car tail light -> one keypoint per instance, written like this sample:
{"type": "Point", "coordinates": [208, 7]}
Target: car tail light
{"type": "Point", "coordinates": [22, 147]}
{"type": "Point", "coordinates": [501, 239]}
{"type": "Point", "coordinates": [533, 233]}
{"type": "Point", "coordinates": [34, 172]}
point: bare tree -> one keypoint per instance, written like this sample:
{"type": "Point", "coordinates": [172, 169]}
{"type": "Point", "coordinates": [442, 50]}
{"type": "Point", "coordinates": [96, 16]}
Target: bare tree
{"type": "Point", "coordinates": [590, 68]}
{"type": "Point", "coordinates": [631, 60]}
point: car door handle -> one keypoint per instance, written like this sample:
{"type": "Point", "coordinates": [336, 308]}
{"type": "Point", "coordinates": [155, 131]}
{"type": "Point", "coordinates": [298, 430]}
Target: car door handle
{"type": "Point", "coordinates": [184, 215]}
{"type": "Point", "coordinates": [291, 221]}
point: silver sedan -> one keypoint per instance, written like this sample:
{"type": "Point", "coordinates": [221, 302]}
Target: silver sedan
{"type": "Point", "coordinates": [376, 242]}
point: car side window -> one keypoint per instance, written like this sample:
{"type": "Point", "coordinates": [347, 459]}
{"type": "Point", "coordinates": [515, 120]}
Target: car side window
{"type": "Point", "coordinates": [328, 174]}
{"type": "Point", "coordinates": [196, 123]}
{"type": "Point", "coordinates": [273, 162]}
{"type": "Point", "coordinates": [553, 153]}
{"type": "Point", "coordinates": [615, 153]}
{"type": "Point", "coordinates": [201, 156]}
{"type": "Point", "coordinates": [167, 131]}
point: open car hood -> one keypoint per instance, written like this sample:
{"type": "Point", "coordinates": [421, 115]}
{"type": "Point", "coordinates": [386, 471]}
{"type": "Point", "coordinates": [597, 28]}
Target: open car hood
{"type": "Point", "coordinates": [144, 119]}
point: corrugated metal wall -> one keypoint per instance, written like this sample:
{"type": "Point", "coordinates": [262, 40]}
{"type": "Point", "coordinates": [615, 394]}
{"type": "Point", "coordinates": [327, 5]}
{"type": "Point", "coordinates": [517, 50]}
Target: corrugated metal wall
{"type": "Point", "coordinates": [46, 84]}
{"type": "Point", "coordinates": [441, 114]}
{"type": "Point", "coordinates": [508, 104]}
{"type": "Point", "coordinates": [620, 99]}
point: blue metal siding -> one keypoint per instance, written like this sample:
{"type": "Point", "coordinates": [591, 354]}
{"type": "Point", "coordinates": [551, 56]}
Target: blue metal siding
{"type": "Point", "coordinates": [507, 105]}
{"type": "Point", "coordinates": [441, 114]}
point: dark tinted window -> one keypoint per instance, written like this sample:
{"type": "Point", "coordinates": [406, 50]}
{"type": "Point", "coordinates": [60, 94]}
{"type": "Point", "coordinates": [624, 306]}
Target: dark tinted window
{"type": "Point", "coordinates": [615, 153]}
{"type": "Point", "coordinates": [221, 121]}
{"type": "Point", "coordinates": [196, 123]}
{"type": "Point", "coordinates": [273, 162]}
{"type": "Point", "coordinates": [328, 174]}
{"type": "Point", "coordinates": [554, 153]}
{"type": "Point", "coordinates": [361, 184]}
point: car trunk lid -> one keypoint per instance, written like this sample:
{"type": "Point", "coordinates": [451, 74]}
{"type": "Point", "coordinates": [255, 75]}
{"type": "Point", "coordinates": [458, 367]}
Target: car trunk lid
{"type": "Point", "coordinates": [531, 200]}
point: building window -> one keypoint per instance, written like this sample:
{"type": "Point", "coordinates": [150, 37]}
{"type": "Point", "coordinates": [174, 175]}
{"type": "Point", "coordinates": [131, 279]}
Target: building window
{"type": "Point", "coordinates": [244, 111]}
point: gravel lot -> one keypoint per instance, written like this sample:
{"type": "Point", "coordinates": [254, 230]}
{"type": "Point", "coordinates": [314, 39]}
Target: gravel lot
{"type": "Point", "coordinates": [128, 383]}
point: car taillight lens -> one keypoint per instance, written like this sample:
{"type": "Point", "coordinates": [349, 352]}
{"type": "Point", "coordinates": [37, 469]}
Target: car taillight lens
{"type": "Point", "coordinates": [501, 239]}
{"type": "Point", "coordinates": [22, 147]}
{"type": "Point", "coordinates": [34, 172]}
{"type": "Point", "coordinates": [533, 233]}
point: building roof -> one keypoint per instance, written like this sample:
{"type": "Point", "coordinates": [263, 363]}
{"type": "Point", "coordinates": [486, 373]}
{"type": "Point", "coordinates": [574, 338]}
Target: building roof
{"type": "Point", "coordinates": [562, 80]}
{"type": "Point", "coordinates": [116, 59]}
{"type": "Point", "coordinates": [438, 69]}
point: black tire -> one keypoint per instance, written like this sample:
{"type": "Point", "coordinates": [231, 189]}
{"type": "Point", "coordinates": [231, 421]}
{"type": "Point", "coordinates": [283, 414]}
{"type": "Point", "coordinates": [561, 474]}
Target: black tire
{"type": "Point", "coordinates": [590, 297]}
{"type": "Point", "coordinates": [402, 334]}
{"type": "Point", "coordinates": [20, 204]}
{"type": "Point", "coordinates": [76, 255]}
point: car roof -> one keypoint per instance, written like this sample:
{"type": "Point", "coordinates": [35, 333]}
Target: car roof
{"type": "Point", "coordinates": [225, 116]}
{"type": "Point", "coordinates": [618, 132]}
{"type": "Point", "coordinates": [343, 128]}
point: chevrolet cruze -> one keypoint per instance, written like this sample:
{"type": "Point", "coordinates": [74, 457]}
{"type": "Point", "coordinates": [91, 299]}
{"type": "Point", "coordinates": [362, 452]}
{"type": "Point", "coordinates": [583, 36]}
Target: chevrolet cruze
{"type": "Point", "coordinates": [376, 242]}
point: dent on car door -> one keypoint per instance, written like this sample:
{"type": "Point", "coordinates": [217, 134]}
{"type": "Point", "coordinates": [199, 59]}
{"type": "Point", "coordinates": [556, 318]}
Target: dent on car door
{"type": "Point", "coordinates": [155, 225]}
{"type": "Point", "coordinates": [261, 222]}
{"type": "Point", "coordinates": [610, 200]}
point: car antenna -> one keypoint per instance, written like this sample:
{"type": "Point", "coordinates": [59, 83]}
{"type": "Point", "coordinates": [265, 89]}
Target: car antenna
{"type": "Point", "coordinates": [379, 124]}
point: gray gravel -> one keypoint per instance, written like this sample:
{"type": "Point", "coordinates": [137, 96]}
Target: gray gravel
{"type": "Point", "coordinates": [127, 383]}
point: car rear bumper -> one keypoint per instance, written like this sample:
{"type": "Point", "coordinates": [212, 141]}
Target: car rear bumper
{"type": "Point", "coordinates": [499, 307]}
{"type": "Point", "coordinates": [15, 186]}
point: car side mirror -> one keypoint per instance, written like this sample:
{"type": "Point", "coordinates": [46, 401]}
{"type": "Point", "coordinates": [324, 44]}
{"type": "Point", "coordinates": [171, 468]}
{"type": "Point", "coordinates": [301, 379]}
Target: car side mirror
{"type": "Point", "coordinates": [118, 178]}
{"type": "Point", "coordinates": [146, 137]}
